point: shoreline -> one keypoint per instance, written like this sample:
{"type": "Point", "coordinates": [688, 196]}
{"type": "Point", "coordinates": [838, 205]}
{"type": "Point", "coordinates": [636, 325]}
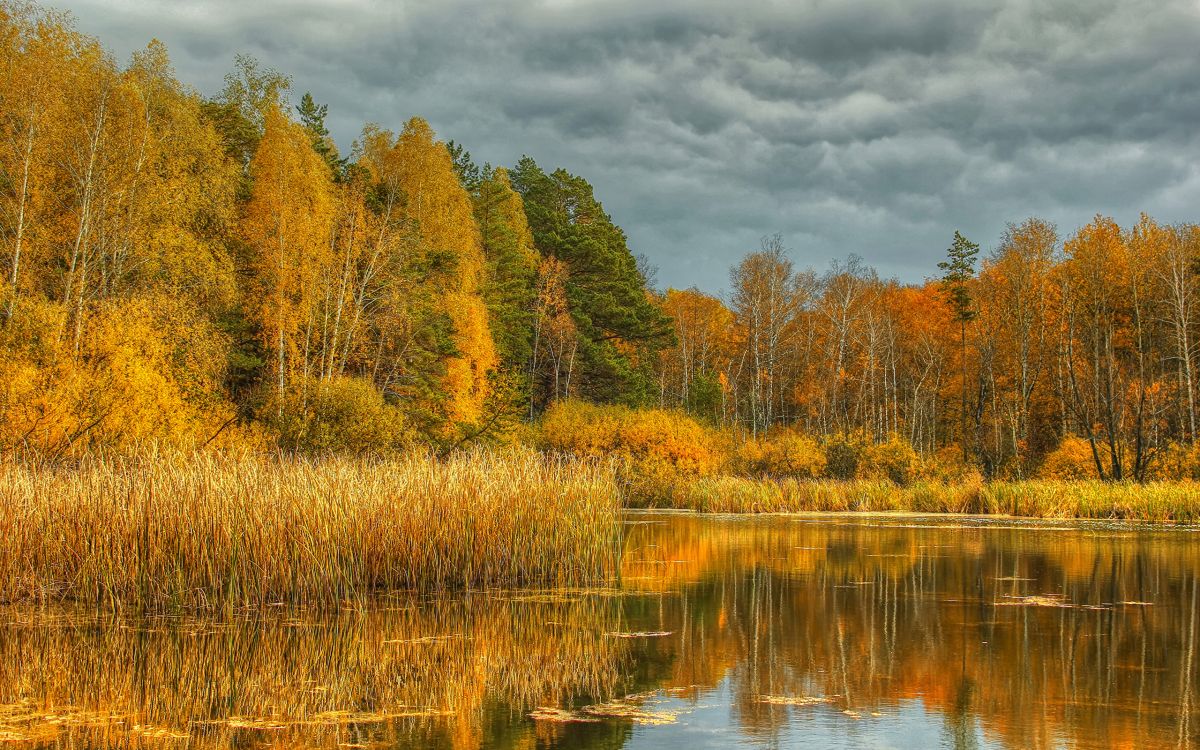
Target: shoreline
{"type": "Point", "coordinates": [1038, 498]}
{"type": "Point", "coordinates": [1031, 522]}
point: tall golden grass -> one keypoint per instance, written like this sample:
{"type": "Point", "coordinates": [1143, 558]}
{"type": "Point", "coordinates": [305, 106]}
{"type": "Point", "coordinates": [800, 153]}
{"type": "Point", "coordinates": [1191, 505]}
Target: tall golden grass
{"type": "Point", "coordinates": [1152, 501]}
{"type": "Point", "coordinates": [156, 530]}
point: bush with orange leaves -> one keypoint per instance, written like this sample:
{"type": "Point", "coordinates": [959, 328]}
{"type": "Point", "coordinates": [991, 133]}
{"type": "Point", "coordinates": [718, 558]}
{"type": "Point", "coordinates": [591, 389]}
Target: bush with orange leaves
{"type": "Point", "coordinates": [784, 453]}
{"type": "Point", "coordinates": [946, 466]}
{"type": "Point", "coordinates": [1072, 459]}
{"type": "Point", "coordinates": [146, 369]}
{"type": "Point", "coordinates": [656, 449]}
{"type": "Point", "coordinates": [892, 459]}
{"type": "Point", "coordinates": [340, 415]}
{"type": "Point", "coordinates": [1178, 461]}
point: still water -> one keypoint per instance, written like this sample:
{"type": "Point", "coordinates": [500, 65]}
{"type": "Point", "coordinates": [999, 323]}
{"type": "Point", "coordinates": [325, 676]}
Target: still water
{"type": "Point", "coordinates": [768, 632]}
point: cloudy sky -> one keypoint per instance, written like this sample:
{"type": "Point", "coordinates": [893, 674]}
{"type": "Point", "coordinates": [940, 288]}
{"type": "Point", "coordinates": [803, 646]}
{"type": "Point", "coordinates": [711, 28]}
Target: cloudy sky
{"type": "Point", "coordinates": [874, 127]}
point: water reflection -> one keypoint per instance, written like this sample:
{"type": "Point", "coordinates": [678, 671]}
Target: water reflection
{"type": "Point", "coordinates": [403, 673]}
{"type": "Point", "coordinates": [766, 632]}
{"type": "Point", "coordinates": [1026, 636]}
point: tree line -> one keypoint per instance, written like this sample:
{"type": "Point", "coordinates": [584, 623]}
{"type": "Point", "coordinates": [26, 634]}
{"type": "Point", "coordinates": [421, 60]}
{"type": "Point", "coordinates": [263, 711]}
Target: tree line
{"type": "Point", "coordinates": [214, 271]}
{"type": "Point", "coordinates": [1088, 339]}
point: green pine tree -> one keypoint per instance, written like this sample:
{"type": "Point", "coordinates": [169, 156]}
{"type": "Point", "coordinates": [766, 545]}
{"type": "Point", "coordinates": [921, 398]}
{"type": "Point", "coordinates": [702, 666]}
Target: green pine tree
{"type": "Point", "coordinates": [312, 117]}
{"type": "Point", "coordinates": [469, 173]}
{"type": "Point", "coordinates": [620, 328]}
{"type": "Point", "coordinates": [957, 271]}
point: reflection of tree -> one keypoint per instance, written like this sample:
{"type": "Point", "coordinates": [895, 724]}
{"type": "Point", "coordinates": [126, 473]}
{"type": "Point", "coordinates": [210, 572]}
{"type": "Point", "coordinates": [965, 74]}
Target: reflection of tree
{"type": "Point", "coordinates": [878, 615]}
{"type": "Point", "coordinates": [1186, 679]}
{"type": "Point", "coordinates": [961, 721]}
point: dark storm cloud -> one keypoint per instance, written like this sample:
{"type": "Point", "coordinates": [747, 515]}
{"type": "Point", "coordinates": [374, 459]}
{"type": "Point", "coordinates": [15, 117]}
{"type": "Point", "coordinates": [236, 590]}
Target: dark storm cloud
{"type": "Point", "coordinates": [874, 127]}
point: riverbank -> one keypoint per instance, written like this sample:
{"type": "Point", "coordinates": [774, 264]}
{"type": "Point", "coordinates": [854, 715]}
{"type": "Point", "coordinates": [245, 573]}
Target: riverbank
{"type": "Point", "coordinates": [1152, 501]}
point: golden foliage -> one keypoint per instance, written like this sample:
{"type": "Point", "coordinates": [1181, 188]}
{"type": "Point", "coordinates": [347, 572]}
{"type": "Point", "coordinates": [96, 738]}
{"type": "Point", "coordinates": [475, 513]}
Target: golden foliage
{"type": "Point", "coordinates": [1072, 459]}
{"type": "Point", "coordinates": [419, 170]}
{"type": "Point", "coordinates": [287, 224]}
{"type": "Point", "coordinates": [892, 459]}
{"type": "Point", "coordinates": [784, 453]}
{"type": "Point", "coordinates": [337, 415]}
{"type": "Point", "coordinates": [151, 370]}
{"type": "Point", "coordinates": [150, 241]}
{"type": "Point", "coordinates": [656, 448]}
{"type": "Point", "coordinates": [555, 337]}
{"type": "Point", "coordinates": [113, 238]}
{"type": "Point", "coordinates": [644, 435]}
{"type": "Point", "coordinates": [703, 344]}
{"type": "Point", "coordinates": [1177, 461]}
{"type": "Point", "coordinates": [466, 381]}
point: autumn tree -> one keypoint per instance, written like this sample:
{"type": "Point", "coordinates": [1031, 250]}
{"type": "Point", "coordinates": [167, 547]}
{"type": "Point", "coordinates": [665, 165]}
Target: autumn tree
{"type": "Point", "coordinates": [35, 49]}
{"type": "Point", "coordinates": [845, 294]}
{"type": "Point", "coordinates": [239, 111]}
{"type": "Point", "coordinates": [555, 338]}
{"type": "Point", "coordinates": [287, 226]}
{"type": "Point", "coordinates": [443, 216]}
{"type": "Point", "coordinates": [767, 301]}
{"type": "Point", "coordinates": [923, 362]}
{"type": "Point", "coordinates": [1017, 304]}
{"type": "Point", "coordinates": [434, 340]}
{"type": "Point", "coordinates": [695, 370]}
{"type": "Point", "coordinates": [1173, 258]}
{"type": "Point", "coordinates": [1097, 347]}
{"type": "Point", "coordinates": [115, 209]}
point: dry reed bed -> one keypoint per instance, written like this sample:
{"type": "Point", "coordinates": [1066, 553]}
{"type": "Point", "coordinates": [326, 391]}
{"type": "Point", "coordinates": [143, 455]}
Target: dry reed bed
{"type": "Point", "coordinates": [210, 530]}
{"type": "Point", "coordinates": [1154, 501]}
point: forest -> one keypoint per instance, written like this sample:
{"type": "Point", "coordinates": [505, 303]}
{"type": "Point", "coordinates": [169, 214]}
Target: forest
{"type": "Point", "coordinates": [212, 272]}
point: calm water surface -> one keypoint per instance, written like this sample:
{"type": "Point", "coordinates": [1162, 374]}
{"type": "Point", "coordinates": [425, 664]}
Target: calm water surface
{"type": "Point", "coordinates": [721, 632]}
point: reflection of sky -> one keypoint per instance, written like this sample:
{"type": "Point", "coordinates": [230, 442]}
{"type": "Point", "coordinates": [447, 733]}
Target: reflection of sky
{"type": "Point", "coordinates": [708, 723]}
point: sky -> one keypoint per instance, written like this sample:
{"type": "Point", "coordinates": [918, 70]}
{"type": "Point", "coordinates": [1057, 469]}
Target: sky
{"type": "Point", "coordinates": [867, 127]}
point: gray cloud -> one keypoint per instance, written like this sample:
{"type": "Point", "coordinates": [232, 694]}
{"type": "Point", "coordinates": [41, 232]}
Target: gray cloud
{"type": "Point", "coordinates": [874, 127]}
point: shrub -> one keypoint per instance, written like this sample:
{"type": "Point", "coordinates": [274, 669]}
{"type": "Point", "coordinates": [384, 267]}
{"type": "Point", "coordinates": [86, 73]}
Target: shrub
{"type": "Point", "coordinates": [894, 459]}
{"type": "Point", "coordinates": [146, 369]}
{"type": "Point", "coordinates": [1072, 459]}
{"type": "Point", "coordinates": [842, 453]}
{"type": "Point", "coordinates": [657, 448]}
{"type": "Point", "coordinates": [946, 466]}
{"type": "Point", "coordinates": [785, 453]}
{"type": "Point", "coordinates": [344, 415]}
{"type": "Point", "coordinates": [1177, 461]}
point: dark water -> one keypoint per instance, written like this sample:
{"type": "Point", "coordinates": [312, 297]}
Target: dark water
{"type": "Point", "coordinates": [722, 632]}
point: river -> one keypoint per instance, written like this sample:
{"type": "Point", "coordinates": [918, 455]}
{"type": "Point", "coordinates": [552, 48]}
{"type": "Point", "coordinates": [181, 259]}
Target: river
{"type": "Point", "coordinates": [756, 632]}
